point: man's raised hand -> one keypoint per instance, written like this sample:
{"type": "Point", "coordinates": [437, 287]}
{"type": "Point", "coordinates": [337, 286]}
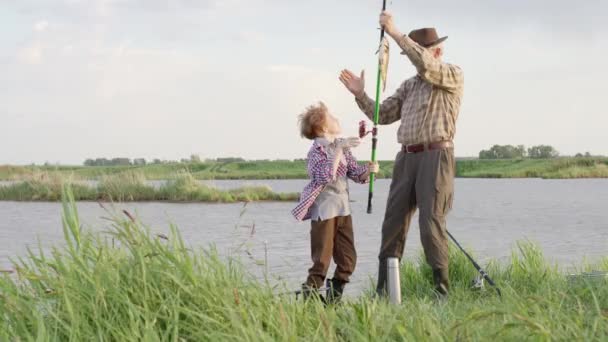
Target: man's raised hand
{"type": "Point", "coordinates": [386, 22]}
{"type": "Point", "coordinates": [354, 84]}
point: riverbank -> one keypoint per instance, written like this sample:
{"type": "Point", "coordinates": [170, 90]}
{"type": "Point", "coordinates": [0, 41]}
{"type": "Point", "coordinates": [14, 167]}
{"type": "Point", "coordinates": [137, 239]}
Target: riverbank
{"type": "Point", "coordinates": [133, 186]}
{"type": "Point", "coordinates": [131, 284]}
{"type": "Point", "coordinates": [558, 168]}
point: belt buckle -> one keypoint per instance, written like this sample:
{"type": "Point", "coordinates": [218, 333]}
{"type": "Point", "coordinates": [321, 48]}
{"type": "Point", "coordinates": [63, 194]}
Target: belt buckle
{"type": "Point", "coordinates": [414, 148]}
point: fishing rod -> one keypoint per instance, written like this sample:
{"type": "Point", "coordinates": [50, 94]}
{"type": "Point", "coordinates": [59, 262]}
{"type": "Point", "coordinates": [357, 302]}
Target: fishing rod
{"type": "Point", "coordinates": [372, 175]}
{"type": "Point", "coordinates": [481, 271]}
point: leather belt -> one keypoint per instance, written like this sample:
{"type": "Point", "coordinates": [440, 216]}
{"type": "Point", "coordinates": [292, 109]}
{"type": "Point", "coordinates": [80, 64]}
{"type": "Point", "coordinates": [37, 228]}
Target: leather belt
{"type": "Point", "coordinates": [415, 148]}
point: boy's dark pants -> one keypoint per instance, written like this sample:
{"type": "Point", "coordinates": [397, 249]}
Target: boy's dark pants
{"type": "Point", "coordinates": [333, 237]}
{"type": "Point", "coordinates": [424, 180]}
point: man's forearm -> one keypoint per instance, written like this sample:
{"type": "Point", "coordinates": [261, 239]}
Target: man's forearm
{"type": "Point", "coordinates": [400, 38]}
{"type": "Point", "coordinates": [395, 34]}
{"type": "Point", "coordinates": [366, 104]}
{"type": "Point", "coordinates": [390, 108]}
{"type": "Point", "coordinates": [414, 52]}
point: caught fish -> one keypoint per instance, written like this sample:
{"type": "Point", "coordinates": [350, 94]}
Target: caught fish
{"type": "Point", "coordinates": [383, 53]}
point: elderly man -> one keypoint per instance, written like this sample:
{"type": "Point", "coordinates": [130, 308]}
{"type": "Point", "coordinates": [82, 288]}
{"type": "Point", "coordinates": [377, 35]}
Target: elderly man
{"type": "Point", "coordinates": [423, 177]}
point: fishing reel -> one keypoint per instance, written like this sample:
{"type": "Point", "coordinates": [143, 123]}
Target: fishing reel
{"type": "Point", "coordinates": [477, 283]}
{"type": "Point", "coordinates": [363, 130]}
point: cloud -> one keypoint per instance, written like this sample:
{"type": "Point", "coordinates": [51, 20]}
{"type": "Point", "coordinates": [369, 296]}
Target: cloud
{"type": "Point", "coordinates": [164, 4]}
{"type": "Point", "coordinates": [124, 70]}
{"type": "Point", "coordinates": [41, 26]}
{"type": "Point", "coordinates": [250, 37]}
{"type": "Point", "coordinates": [31, 54]}
{"type": "Point", "coordinates": [104, 8]}
{"type": "Point", "coordinates": [316, 50]}
{"type": "Point", "coordinates": [556, 16]}
{"type": "Point", "coordinates": [286, 68]}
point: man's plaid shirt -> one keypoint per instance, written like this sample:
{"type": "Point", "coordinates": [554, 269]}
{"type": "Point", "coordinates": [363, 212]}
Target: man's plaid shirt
{"type": "Point", "coordinates": [320, 172]}
{"type": "Point", "coordinates": [427, 104]}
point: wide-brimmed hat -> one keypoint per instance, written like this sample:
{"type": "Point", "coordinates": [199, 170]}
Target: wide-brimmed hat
{"type": "Point", "coordinates": [426, 37]}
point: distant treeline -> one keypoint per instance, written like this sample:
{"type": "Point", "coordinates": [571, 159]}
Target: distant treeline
{"type": "Point", "coordinates": [495, 152]}
{"type": "Point", "coordinates": [193, 159]}
{"type": "Point", "coordinates": [520, 151]}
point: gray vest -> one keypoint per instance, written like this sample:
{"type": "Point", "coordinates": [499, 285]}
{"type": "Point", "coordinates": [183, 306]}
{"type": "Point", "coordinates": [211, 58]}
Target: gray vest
{"type": "Point", "coordinates": [332, 201]}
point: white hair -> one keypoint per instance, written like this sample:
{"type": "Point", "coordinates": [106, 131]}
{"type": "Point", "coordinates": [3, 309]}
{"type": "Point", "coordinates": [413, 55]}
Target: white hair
{"type": "Point", "coordinates": [436, 47]}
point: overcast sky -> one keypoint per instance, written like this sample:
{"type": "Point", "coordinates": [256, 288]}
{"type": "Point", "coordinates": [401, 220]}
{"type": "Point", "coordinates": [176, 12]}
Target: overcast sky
{"type": "Point", "coordinates": [168, 78]}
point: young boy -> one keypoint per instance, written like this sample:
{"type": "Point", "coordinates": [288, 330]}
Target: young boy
{"type": "Point", "coordinates": [325, 200]}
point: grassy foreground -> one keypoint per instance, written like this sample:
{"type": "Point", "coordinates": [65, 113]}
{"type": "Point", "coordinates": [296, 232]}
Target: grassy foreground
{"type": "Point", "coordinates": [566, 167]}
{"type": "Point", "coordinates": [132, 285]}
{"type": "Point", "coordinates": [132, 186]}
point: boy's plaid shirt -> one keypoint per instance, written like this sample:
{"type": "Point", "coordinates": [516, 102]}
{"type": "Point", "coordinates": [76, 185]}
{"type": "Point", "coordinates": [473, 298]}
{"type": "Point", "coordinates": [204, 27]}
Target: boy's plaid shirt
{"type": "Point", "coordinates": [320, 173]}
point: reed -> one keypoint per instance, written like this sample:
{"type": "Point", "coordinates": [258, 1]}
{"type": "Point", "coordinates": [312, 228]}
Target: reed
{"type": "Point", "coordinates": [133, 186]}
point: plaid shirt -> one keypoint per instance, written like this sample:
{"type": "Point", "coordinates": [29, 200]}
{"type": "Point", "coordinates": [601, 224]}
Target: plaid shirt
{"type": "Point", "coordinates": [427, 104]}
{"type": "Point", "coordinates": [320, 172]}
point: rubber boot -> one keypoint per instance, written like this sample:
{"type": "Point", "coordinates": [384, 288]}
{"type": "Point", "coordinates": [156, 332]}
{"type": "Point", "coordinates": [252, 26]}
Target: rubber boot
{"type": "Point", "coordinates": [442, 282]}
{"type": "Point", "coordinates": [335, 289]}
{"type": "Point", "coordinates": [310, 292]}
{"type": "Point", "coordinates": [381, 291]}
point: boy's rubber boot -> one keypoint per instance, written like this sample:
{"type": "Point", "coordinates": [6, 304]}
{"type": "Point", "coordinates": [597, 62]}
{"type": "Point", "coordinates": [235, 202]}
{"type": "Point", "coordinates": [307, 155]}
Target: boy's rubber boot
{"type": "Point", "coordinates": [335, 290]}
{"type": "Point", "coordinates": [311, 292]}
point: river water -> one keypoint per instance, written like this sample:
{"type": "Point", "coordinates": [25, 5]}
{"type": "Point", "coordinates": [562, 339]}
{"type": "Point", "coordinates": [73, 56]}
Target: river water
{"type": "Point", "coordinates": [567, 218]}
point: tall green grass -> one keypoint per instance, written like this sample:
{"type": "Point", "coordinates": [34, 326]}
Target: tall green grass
{"type": "Point", "coordinates": [185, 188]}
{"type": "Point", "coordinates": [125, 186]}
{"type": "Point", "coordinates": [45, 186]}
{"type": "Point", "coordinates": [132, 186]}
{"type": "Point", "coordinates": [130, 284]}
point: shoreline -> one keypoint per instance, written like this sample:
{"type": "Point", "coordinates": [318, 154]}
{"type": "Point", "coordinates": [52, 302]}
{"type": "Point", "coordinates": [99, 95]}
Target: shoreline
{"type": "Point", "coordinates": [557, 168]}
{"type": "Point", "coordinates": [133, 187]}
